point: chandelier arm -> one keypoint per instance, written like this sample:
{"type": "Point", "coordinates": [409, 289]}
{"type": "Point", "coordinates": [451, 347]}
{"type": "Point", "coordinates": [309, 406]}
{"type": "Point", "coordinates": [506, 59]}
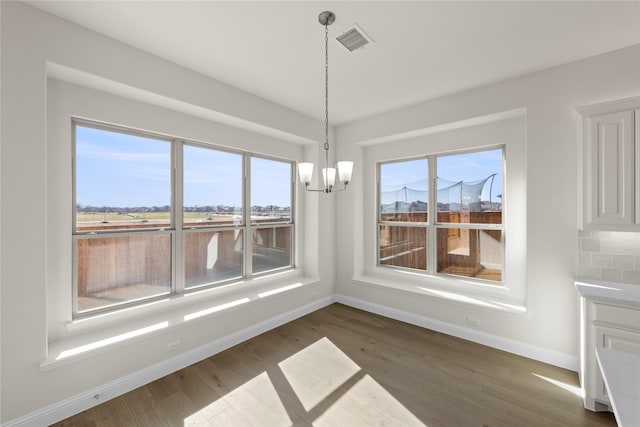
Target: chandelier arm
{"type": "Point", "coordinates": [317, 190]}
{"type": "Point", "coordinates": [339, 189]}
{"type": "Point", "coordinates": [334, 189]}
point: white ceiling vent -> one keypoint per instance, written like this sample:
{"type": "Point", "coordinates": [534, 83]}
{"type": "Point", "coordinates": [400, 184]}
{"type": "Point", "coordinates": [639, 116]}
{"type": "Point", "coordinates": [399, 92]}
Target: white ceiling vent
{"type": "Point", "coordinates": [354, 38]}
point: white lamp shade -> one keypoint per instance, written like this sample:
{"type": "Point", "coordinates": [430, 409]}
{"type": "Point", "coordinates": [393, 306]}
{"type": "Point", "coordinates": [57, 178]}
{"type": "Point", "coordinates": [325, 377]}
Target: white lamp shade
{"type": "Point", "coordinates": [305, 170]}
{"type": "Point", "coordinates": [345, 168]}
{"type": "Point", "coordinates": [328, 176]}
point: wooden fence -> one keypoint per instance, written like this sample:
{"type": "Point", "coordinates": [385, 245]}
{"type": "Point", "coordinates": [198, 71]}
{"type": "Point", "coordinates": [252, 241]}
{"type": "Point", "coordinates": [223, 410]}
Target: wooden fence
{"type": "Point", "coordinates": [108, 262]}
{"type": "Point", "coordinates": [468, 250]}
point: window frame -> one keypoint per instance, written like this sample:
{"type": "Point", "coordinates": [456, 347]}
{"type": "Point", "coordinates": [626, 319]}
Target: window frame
{"type": "Point", "coordinates": [179, 172]}
{"type": "Point", "coordinates": [282, 224]}
{"type": "Point", "coordinates": [432, 225]}
{"type": "Point", "coordinates": [414, 224]}
{"type": "Point", "coordinates": [177, 229]}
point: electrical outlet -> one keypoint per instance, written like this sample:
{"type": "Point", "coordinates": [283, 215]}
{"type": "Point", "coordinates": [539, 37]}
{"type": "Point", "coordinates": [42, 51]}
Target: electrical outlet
{"type": "Point", "coordinates": [472, 322]}
{"type": "Point", "coordinates": [173, 345]}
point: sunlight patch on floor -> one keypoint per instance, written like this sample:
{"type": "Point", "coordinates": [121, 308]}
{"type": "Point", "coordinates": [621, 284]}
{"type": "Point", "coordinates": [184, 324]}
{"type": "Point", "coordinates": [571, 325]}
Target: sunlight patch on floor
{"type": "Point", "coordinates": [367, 403]}
{"type": "Point", "coordinates": [255, 403]}
{"type": "Point", "coordinates": [317, 371]}
{"type": "Point", "coordinates": [314, 373]}
{"type": "Point", "coordinates": [567, 387]}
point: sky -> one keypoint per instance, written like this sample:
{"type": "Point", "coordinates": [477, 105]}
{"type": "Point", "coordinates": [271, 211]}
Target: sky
{"type": "Point", "coordinates": [120, 170]}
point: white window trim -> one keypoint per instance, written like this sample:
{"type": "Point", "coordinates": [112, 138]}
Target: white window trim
{"type": "Point", "coordinates": [509, 132]}
{"type": "Point", "coordinates": [66, 100]}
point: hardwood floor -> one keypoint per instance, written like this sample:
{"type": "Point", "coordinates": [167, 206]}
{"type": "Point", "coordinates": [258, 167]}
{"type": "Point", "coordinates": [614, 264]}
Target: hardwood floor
{"type": "Point", "coordinates": [340, 366]}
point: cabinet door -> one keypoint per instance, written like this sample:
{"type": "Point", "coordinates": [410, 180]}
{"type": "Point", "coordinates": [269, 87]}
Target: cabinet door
{"type": "Point", "coordinates": [612, 169]}
{"type": "Point", "coordinates": [617, 339]}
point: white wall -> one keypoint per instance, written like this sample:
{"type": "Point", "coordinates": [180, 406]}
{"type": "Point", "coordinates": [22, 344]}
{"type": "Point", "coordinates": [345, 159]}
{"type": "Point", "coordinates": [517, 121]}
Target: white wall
{"type": "Point", "coordinates": [52, 69]}
{"type": "Point", "coordinates": [552, 130]}
{"type": "Point", "coordinates": [37, 47]}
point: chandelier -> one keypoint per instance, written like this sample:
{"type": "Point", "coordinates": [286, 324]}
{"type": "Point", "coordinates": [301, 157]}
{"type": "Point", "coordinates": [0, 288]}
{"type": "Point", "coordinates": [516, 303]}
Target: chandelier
{"type": "Point", "coordinates": [343, 168]}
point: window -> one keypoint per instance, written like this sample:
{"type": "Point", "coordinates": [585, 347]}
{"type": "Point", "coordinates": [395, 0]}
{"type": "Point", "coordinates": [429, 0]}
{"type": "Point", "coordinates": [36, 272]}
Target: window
{"type": "Point", "coordinates": [271, 183]}
{"type": "Point", "coordinates": [212, 211]}
{"type": "Point", "coordinates": [156, 216]}
{"type": "Point", "coordinates": [404, 195]}
{"type": "Point", "coordinates": [122, 247]}
{"type": "Point", "coordinates": [443, 214]}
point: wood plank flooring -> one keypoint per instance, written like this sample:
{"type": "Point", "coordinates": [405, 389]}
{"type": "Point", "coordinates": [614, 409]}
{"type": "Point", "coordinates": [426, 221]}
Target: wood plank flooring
{"type": "Point", "coordinates": [343, 367]}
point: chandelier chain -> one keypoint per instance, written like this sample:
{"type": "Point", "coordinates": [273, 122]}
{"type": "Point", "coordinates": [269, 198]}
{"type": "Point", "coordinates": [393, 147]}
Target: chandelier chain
{"type": "Point", "coordinates": [326, 106]}
{"type": "Point", "coordinates": [326, 87]}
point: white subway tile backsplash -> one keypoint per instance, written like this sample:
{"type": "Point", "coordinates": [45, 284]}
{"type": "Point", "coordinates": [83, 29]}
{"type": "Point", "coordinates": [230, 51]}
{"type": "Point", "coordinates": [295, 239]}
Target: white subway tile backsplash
{"type": "Point", "coordinates": [588, 271]}
{"type": "Point", "coordinates": [584, 258]}
{"type": "Point", "coordinates": [621, 235]}
{"type": "Point", "coordinates": [609, 246]}
{"type": "Point", "coordinates": [612, 275]}
{"type": "Point", "coordinates": [631, 247]}
{"type": "Point", "coordinates": [601, 260]}
{"type": "Point", "coordinates": [623, 262]}
{"type": "Point", "coordinates": [590, 245]}
{"type": "Point", "coordinates": [631, 276]}
{"type": "Point", "coordinates": [609, 255]}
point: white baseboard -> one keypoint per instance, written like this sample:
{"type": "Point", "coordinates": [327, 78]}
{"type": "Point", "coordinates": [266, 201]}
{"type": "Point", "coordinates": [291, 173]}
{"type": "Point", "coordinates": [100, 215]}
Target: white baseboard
{"type": "Point", "coordinates": [83, 401]}
{"type": "Point", "coordinates": [541, 354]}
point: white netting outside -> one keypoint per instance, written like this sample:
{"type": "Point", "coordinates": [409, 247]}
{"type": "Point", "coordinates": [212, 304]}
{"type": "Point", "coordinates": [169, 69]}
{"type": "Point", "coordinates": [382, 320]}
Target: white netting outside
{"type": "Point", "coordinates": [452, 196]}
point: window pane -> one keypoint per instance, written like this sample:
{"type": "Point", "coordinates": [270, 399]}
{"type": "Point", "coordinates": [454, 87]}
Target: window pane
{"type": "Point", "coordinates": [212, 187]}
{"type": "Point", "coordinates": [404, 191]}
{"type": "Point", "coordinates": [403, 246]}
{"type": "Point", "coordinates": [470, 187]}
{"type": "Point", "coordinates": [212, 256]}
{"type": "Point", "coordinates": [120, 269]}
{"type": "Point", "coordinates": [470, 253]}
{"type": "Point", "coordinates": [271, 248]}
{"type": "Point", "coordinates": [270, 191]}
{"type": "Point", "coordinates": [121, 181]}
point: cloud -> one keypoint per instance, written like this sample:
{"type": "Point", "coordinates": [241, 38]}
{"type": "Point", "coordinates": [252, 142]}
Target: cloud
{"type": "Point", "coordinates": [88, 150]}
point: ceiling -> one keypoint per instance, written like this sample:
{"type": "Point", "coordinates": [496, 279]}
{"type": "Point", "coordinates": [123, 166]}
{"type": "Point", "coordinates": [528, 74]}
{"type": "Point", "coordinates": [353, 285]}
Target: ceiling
{"type": "Point", "coordinates": [422, 49]}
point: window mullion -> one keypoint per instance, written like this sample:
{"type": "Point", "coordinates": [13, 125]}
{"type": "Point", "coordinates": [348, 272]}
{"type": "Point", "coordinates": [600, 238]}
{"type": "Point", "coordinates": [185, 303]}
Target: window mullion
{"type": "Point", "coordinates": [247, 252]}
{"type": "Point", "coordinates": [177, 210]}
{"type": "Point", "coordinates": [432, 207]}
{"type": "Point", "coordinates": [378, 212]}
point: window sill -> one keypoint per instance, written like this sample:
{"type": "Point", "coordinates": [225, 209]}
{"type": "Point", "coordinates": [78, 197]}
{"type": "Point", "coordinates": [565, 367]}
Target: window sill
{"type": "Point", "coordinates": [453, 291]}
{"type": "Point", "coordinates": [94, 335]}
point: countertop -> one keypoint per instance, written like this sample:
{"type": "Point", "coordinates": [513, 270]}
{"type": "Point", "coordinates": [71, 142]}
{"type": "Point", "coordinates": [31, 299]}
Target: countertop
{"type": "Point", "coordinates": [621, 374]}
{"type": "Point", "coordinates": [621, 293]}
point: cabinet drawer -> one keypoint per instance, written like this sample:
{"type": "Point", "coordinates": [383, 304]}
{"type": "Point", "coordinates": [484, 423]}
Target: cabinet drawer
{"type": "Point", "coordinates": [616, 315]}
{"type": "Point", "coordinates": [616, 339]}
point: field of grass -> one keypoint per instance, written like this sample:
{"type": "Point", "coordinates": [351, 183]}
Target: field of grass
{"type": "Point", "coordinates": [97, 221]}
{"type": "Point", "coordinates": [149, 216]}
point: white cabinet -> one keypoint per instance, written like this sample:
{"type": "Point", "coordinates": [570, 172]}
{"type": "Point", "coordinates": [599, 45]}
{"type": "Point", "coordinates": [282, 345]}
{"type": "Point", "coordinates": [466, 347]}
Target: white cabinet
{"type": "Point", "coordinates": [611, 159]}
{"type": "Point", "coordinates": [619, 339]}
{"type": "Point", "coordinates": [610, 318]}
